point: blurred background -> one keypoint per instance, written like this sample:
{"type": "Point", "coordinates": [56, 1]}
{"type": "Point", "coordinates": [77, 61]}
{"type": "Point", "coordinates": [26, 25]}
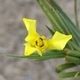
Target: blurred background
{"type": "Point", "coordinates": [12, 34]}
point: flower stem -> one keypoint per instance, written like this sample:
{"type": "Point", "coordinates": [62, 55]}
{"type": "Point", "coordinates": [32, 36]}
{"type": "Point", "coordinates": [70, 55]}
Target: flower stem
{"type": "Point", "coordinates": [75, 12]}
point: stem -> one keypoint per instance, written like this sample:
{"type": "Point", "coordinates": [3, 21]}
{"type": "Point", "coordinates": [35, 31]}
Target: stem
{"type": "Point", "coordinates": [75, 12]}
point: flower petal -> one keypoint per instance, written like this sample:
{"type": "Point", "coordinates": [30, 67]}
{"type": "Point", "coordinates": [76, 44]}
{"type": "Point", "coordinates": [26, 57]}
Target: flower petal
{"type": "Point", "coordinates": [58, 41]}
{"type": "Point", "coordinates": [31, 27]}
{"type": "Point", "coordinates": [29, 49]}
{"type": "Point", "coordinates": [39, 52]}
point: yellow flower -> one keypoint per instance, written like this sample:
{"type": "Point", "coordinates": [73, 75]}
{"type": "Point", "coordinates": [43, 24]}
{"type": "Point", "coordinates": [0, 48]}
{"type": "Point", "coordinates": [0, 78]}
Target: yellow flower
{"type": "Point", "coordinates": [35, 42]}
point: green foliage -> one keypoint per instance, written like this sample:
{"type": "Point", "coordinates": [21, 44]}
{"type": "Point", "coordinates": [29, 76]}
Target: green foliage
{"type": "Point", "coordinates": [65, 66]}
{"type": "Point", "coordinates": [50, 30]}
{"type": "Point", "coordinates": [59, 20]}
{"type": "Point", "coordinates": [62, 23]}
{"type": "Point", "coordinates": [70, 74]}
{"type": "Point", "coordinates": [46, 55]}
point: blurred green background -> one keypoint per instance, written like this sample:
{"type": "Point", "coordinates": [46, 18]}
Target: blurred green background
{"type": "Point", "coordinates": [12, 34]}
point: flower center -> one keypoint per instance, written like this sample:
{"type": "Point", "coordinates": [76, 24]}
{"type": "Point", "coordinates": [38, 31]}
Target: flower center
{"type": "Point", "coordinates": [41, 43]}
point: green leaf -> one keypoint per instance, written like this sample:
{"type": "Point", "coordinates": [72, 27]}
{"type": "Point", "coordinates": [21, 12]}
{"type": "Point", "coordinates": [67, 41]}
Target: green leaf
{"type": "Point", "coordinates": [54, 18]}
{"type": "Point", "coordinates": [50, 14]}
{"type": "Point", "coordinates": [59, 20]}
{"type": "Point", "coordinates": [65, 66]}
{"type": "Point", "coordinates": [50, 30]}
{"type": "Point", "coordinates": [73, 53]}
{"type": "Point", "coordinates": [52, 54]}
{"type": "Point", "coordinates": [72, 59]}
{"type": "Point", "coordinates": [75, 47]}
{"type": "Point", "coordinates": [69, 74]}
{"type": "Point", "coordinates": [73, 29]}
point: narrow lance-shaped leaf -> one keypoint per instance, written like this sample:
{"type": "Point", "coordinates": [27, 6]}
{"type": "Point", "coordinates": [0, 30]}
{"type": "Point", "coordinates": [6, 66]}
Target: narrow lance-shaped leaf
{"type": "Point", "coordinates": [52, 16]}
{"type": "Point", "coordinates": [65, 66]}
{"type": "Point", "coordinates": [70, 25]}
{"type": "Point", "coordinates": [74, 53]}
{"type": "Point", "coordinates": [52, 54]}
{"type": "Point", "coordinates": [69, 74]}
{"type": "Point", "coordinates": [72, 59]}
{"type": "Point", "coordinates": [50, 30]}
{"type": "Point", "coordinates": [46, 8]}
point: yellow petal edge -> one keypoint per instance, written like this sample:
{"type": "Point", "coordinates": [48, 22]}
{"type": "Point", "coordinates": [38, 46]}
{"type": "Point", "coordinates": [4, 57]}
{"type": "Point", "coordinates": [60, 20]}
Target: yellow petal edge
{"type": "Point", "coordinates": [58, 41]}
